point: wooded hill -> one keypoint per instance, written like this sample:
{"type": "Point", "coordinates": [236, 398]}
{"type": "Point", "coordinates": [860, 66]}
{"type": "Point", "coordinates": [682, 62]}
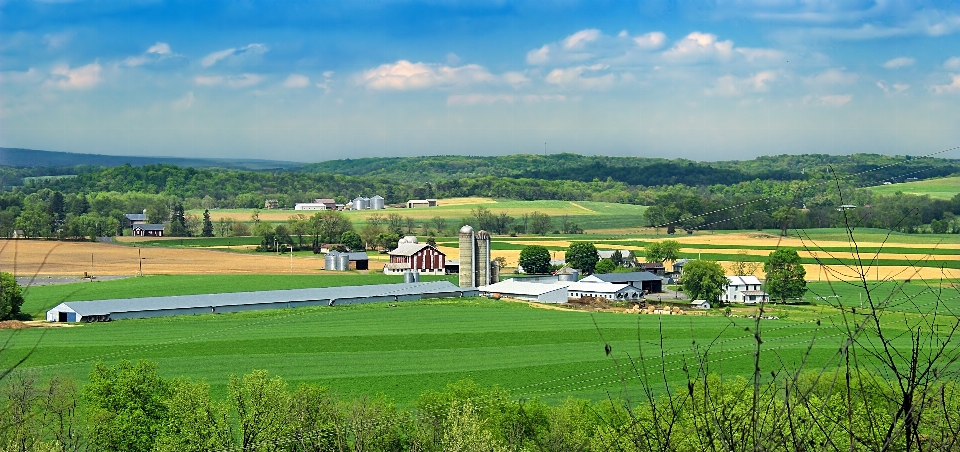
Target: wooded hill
{"type": "Point", "coordinates": [31, 158]}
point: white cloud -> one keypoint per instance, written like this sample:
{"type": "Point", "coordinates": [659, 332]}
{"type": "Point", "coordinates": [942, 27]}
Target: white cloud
{"type": "Point", "coordinates": [953, 87]}
{"type": "Point", "coordinates": [404, 75]}
{"type": "Point", "coordinates": [832, 77]}
{"type": "Point", "coordinates": [326, 84]}
{"type": "Point", "coordinates": [579, 39]}
{"type": "Point", "coordinates": [897, 87]}
{"type": "Point", "coordinates": [184, 102]}
{"type": "Point", "coordinates": [82, 77]}
{"type": "Point", "coordinates": [515, 79]}
{"type": "Point", "coordinates": [698, 46]}
{"type": "Point", "coordinates": [251, 50]}
{"type": "Point", "coordinates": [233, 81]}
{"type": "Point", "coordinates": [487, 99]}
{"type": "Point", "coordinates": [899, 62]}
{"type": "Point", "coordinates": [160, 48]}
{"type": "Point", "coordinates": [760, 55]}
{"type": "Point", "coordinates": [581, 77]}
{"type": "Point", "coordinates": [900, 87]}
{"type": "Point", "coordinates": [832, 100]}
{"type": "Point", "coordinates": [734, 86]}
{"type": "Point", "coordinates": [952, 63]}
{"type": "Point", "coordinates": [29, 76]}
{"type": "Point", "coordinates": [296, 81]}
{"type": "Point", "coordinates": [539, 56]}
{"type": "Point", "coordinates": [650, 41]}
{"type": "Point", "coordinates": [925, 22]}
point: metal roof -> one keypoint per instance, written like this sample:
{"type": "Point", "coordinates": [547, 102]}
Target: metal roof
{"type": "Point", "coordinates": [136, 216]}
{"type": "Point", "coordinates": [409, 249]}
{"type": "Point", "coordinates": [511, 286]}
{"type": "Point", "coordinates": [354, 256]}
{"type": "Point", "coordinates": [743, 280]}
{"type": "Point", "coordinates": [105, 307]}
{"type": "Point", "coordinates": [149, 227]}
{"type": "Point", "coordinates": [621, 277]}
{"type": "Point", "coordinates": [594, 287]}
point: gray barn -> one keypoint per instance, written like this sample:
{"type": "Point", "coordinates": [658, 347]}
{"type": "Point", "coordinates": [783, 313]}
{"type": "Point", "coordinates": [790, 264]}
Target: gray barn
{"type": "Point", "coordinates": [137, 308]}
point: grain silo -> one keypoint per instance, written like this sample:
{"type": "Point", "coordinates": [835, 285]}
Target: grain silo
{"type": "Point", "coordinates": [483, 258]}
{"type": "Point", "coordinates": [376, 202]}
{"type": "Point", "coordinates": [330, 261]}
{"type": "Point", "coordinates": [343, 262]}
{"type": "Point", "coordinates": [467, 276]}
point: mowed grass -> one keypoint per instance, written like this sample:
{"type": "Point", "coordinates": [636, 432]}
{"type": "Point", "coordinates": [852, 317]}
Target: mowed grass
{"type": "Point", "coordinates": [39, 299]}
{"type": "Point", "coordinates": [941, 188]}
{"type": "Point", "coordinates": [403, 349]}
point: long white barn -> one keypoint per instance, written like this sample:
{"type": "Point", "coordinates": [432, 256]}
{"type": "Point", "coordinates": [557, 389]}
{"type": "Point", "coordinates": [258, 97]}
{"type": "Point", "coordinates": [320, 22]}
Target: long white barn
{"type": "Point", "coordinates": [136, 308]}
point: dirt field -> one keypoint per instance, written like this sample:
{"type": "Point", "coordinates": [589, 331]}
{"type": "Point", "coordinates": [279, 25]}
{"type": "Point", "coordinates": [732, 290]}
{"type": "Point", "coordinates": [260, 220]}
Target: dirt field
{"type": "Point", "coordinates": [51, 258]}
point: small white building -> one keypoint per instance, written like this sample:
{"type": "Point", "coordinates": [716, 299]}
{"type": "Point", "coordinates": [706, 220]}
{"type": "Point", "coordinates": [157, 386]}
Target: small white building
{"type": "Point", "coordinates": [414, 203]}
{"type": "Point", "coordinates": [744, 289]}
{"type": "Point", "coordinates": [527, 291]}
{"type": "Point", "coordinates": [310, 206]}
{"type": "Point", "coordinates": [700, 304]}
{"type": "Point", "coordinates": [609, 291]}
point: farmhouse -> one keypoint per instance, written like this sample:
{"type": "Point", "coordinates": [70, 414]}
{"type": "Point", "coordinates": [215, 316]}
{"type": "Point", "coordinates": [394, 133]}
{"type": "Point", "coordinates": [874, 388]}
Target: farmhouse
{"type": "Point", "coordinates": [138, 308]}
{"type": "Point", "coordinates": [628, 259]}
{"type": "Point", "coordinates": [606, 290]}
{"type": "Point", "coordinates": [645, 281]}
{"type": "Point", "coordinates": [527, 291]}
{"type": "Point", "coordinates": [419, 257]}
{"type": "Point", "coordinates": [744, 289]}
{"type": "Point", "coordinates": [413, 203]}
{"type": "Point", "coordinates": [148, 230]}
{"type": "Point", "coordinates": [653, 267]}
{"type": "Point", "coordinates": [678, 266]}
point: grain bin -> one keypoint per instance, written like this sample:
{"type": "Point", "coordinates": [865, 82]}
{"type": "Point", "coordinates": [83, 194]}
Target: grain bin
{"type": "Point", "coordinates": [330, 261]}
{"type": "Point", "coordinates": [376, 202]}
{"type": "Point", "coordinates": [343, 262]}
{"type": "Point", "coordinates": [573, 276]}
{"type": "Point", "coordinates": [411, 276]}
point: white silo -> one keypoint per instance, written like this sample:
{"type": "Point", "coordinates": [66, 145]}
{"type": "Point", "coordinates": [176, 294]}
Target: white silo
{"type": "Point", "coordinates": [483, 258]}
{"type": "Point", "coordinates": [467, 277]}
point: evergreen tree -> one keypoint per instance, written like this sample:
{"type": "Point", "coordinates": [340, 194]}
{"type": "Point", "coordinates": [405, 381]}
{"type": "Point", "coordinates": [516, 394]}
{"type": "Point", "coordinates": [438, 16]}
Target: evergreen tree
{"type": "Point", "coordinates": [207, 224]}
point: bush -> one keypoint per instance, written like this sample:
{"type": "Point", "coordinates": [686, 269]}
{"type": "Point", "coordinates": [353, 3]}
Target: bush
{"type": "Point", "coordinates": [11, 298]}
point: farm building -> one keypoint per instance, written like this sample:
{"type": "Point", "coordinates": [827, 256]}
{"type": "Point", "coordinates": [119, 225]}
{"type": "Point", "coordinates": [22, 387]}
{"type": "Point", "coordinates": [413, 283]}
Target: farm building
{"type": "Point", "coordinates": [606, 290]}
{"type": "Point", "coordinates": [148, 230]}
{"type": "Point", "coordinates": [136, 218]}
{"type": "Point", "coordinates": [528, 291]}
{"type": "Point", "coordinates": [271, 204]}
{"type": "Point", "coordinates": [419, 257]}
{"type": "Point", "coordinates": [414, 203]}
{"type": "Point", "coordinates": [744, 289]}
{"type": "Point", "coordinates": [628, 259]}
{"type": "Point", "coordinates": [645, 281]}
{"type": "Point", "coordinates": [335, 260]}
{"type": "Point", "coordinates": [653, 267]}
{"type": "Point", "coordinates": [138, 308]}
{"type": "Point", "coordinates": [700, 304]}
{"type": "Point", "coordinates": [678, 266]}
{"type": "Point", "coordinates": [317, 204]}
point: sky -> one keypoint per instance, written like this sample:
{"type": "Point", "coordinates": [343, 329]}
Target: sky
{"type": "Point", "coordinates": [318, 80]}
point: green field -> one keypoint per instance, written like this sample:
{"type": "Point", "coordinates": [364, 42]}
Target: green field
{"type": "Point", "coordinates": [942, 188]}
{"type": "Point", "coordinates": [404, 350]}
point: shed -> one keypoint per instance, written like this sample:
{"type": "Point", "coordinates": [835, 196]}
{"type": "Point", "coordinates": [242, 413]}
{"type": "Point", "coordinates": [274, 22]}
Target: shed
{"type": "Point", "coordinates": [527, 291]}
{"type": "Point", "coordinates": [653, 267]}
{"type": "Point", "coordinates": [645, 281]}
{"type": "Point", "coordinates": [148, 230]}
{"type": "Point", "coordinates": [700, 304]}
{"type": "Point", "coordinates": [135, 308]}
{"type": "Point", "coordinates": [609, 291]}
{"type": "Point", "coordinates": [358, 260]}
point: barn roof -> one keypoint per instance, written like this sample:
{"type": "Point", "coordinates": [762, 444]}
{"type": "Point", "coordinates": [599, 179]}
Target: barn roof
{"type": "Point", "coordinates": [511, 286]}
{"type": "Point", "coordinates": [105, 307]}
{"type": "Point", "coordinates": [149, 227]}
{"type": "Point", "coordinates": [625, 277]}
{"type": "Point", "coordinates": [594, 287]}
{"type": "Point", "coordinates": [409, 249]}
{"type": "Point", "coordinates": [354, 256]}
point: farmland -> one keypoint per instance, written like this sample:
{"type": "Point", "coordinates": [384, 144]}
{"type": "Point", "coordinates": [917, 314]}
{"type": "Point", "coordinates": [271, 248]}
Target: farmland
{"type": "Point", "coordinates": [942, 188]}
{"type": "Point", "coordinates": [402, 351]}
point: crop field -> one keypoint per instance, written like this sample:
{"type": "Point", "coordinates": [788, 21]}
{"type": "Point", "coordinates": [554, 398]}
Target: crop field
{"type": "Point", "coordinates": [403, 349]}
{"type": "Point", "coordinates": [591, 216]}
{"type": "Point", "coordinates": [942, 188]}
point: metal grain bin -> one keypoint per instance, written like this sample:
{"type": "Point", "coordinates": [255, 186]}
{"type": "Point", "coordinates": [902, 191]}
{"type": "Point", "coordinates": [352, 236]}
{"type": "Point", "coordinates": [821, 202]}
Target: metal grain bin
{"type": "Point", "coordinates": [343, 262]}
{"type": "Point", "coordinates": [330, 261]}
{"type": "Point", "coordinates": [572, 276]}
{"type": "Point", "coordinates": [411, 276]}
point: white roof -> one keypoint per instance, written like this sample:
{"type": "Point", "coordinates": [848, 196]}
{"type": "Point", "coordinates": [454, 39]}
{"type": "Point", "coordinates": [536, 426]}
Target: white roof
{"type": "Point", "coordinates": [597, 287]}
{"type": "Point", "coordinates": [512, 286]}
{"type": "Point", "coordinates": [608, 254]}
{"type": "Point", "coordinates": [409, 249]}
{"type": "Point", "coordinates": [743, 280]}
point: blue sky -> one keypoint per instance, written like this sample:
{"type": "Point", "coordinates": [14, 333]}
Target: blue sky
{"type": "Point", "coordinates": [311, 81]}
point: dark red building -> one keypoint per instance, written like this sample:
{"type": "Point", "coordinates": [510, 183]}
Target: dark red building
{"type": "Point", "coordinates": [418, 257]}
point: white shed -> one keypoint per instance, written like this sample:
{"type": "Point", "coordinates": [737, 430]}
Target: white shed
{"type": "Point", "coordinates": [527, 291]}
{"type": "Point", "coordinates": [609, 291]}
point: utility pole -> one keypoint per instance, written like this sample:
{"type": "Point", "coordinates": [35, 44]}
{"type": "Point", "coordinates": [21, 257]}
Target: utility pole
{"type": "Point", "coordinates": [544, 148]}
{"type": "Point", "coordinates": [291, 258]}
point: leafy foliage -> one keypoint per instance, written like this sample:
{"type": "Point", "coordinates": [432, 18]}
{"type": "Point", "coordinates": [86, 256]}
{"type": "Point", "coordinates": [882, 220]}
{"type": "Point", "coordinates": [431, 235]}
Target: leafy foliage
{"type": "Point", "coordinates": [703, 280]}
{"type": "Point", "coordinates": [785, 275]}
{"type": "Point", "coordinates": [582, 256]}
{"type": "Point", "coordinates": [11, 297]}
{"type": "Point", "coordinates": [535, 259]}
{"type": "Point", "coordinates": [667, 250]}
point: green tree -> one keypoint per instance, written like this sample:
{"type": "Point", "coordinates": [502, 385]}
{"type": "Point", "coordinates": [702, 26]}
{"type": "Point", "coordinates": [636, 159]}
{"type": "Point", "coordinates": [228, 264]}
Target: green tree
{"type": "Point", "coordinates": [195, 421]}
{"type": "Point", "coordinates": [10, 296]}
{"type": "Point", "coordinates": [178, 223]}
{"type": "Point", "coordinates": [582, 256]}
{"type": "Point", "coordinates": [605, 266]}
{"type": "Point", "coordinates": [352, 241]}
{"type": "Point", "coordinates": [535, 259]}
{"type": "Point", "coordinates": [667, 250]}
{"type": "Point", "coordinates": [262, 404]}
{"type": "Point", "coordinates": [704, 280]}
{"type": "Point", "coordinates": [125, 406]}
{"type": "Point", "coordinates": [207, 224]}
{"type": "Point", "coordinates": [539, 223]}
{"type": "Point", "coordinates": [785, 275]}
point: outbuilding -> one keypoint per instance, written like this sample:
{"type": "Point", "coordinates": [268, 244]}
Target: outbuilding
{"type": "Point", "coordinates": [135, 308]}
{"type": "Point", "coordinates": [148, 230]}
{"type": "Point", "coordinates": [609, 291]}
{"type": "Point", "coordinates": [644, 281]}
{"type": "Point", "coordinates": [527, 291]}
{"type": "Point", "coordinates": [419, 257]}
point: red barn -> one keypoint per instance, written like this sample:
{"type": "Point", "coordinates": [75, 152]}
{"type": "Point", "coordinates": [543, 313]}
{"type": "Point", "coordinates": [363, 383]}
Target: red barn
{"type": "Point", "coordinates": [418, 257]}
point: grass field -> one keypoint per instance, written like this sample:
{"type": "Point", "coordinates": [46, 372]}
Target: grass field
{"type": "Point", "coordinates": [942, 188]}
{"type": "Point", "coordinates": [404, 350]}
{"type": "Point", "coordinates": [588, 215]}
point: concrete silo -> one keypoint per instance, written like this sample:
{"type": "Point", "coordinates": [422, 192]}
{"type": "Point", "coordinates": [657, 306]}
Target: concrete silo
{"type": "Point", "coordinates": [467, 256]}
{"type": "Point", "coordinates": [483, 258]}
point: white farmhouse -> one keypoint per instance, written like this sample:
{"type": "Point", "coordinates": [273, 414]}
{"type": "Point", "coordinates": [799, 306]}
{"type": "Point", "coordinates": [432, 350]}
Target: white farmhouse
{"type": "Point", "coordinates": [744, 289]}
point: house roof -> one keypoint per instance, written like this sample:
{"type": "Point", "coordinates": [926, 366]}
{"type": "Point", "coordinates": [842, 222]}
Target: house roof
{"type": "Point", "coordinates": [743, 280]}
{"type": "Point", "coordinates": [651, 264]}
{"type": "Point", "coordinates": [624, 277]}
{"type": "Point", "coordinates": [753, 292]}
{"type": "Point", "coordinates": [409, 249]}
{"type": "Point", "coordinates": [149, 227]}
{"type": "Point", "coordinates": [515, 287]}
{"type": "Point", "coordinates": [105, 307]}
{"type": "Point", "coordinates": [680, 262]}
{"type": "Point", "coordinates": [596, 287]}
{"type": "Point", "coordinates": [136, 216]}
{"type": "Point", "coordinates": [608, 254]}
